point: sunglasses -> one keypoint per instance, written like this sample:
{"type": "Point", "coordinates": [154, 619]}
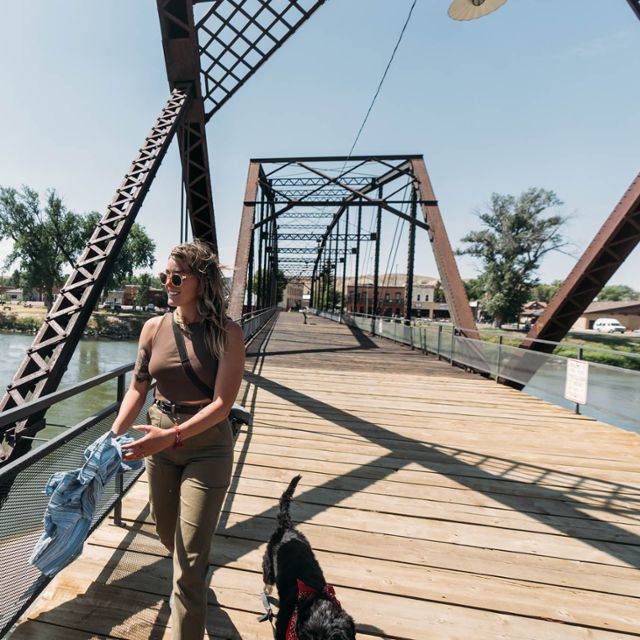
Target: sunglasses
{"type": "Point", "coordinates": [176, 279]}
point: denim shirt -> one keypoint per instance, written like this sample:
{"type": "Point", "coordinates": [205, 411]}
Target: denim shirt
{"type": "Point", "coordinates": [74, 495]}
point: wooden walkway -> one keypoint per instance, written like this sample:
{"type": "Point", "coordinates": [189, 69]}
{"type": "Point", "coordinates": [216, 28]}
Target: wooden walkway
{"type": "Point", "coordinates": [440, 504]}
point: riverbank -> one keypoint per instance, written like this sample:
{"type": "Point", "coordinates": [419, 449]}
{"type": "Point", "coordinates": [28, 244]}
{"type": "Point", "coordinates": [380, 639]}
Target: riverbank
{"type": "Point", "coordinates": [617, 350]}
{"type": "Point", "coordinates": [125, 325]}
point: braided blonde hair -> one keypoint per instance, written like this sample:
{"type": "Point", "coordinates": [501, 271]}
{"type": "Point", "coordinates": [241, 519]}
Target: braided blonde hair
{"type": "Point", "coordinates": [199, 259]}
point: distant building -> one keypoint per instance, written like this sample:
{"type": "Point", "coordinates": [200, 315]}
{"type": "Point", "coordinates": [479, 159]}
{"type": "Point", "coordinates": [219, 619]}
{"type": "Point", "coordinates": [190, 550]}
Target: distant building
{"type": "Point", "coordinates": [627, 313]}
{"type": "Point", "coordinates": [531, 311]}
{"type": "Point", "coordinates": [423, 303]}
{"type": "Point", "coordinates": [128, 296]}
{"type": "Point", "coordinates": [13, 295]}
{"type": "Point", "coordinates": [390, 300]}
{"type": "Point", "coordinates": [114, 296]}
{"type": "Point", "coordinates": [392, 297]}
{"type": "Point", "coordinates": [294, 295]}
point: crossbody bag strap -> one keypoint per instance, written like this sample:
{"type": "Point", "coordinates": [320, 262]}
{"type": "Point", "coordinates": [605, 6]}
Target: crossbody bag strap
{"type": "Point", "coordinates": [184, 358]}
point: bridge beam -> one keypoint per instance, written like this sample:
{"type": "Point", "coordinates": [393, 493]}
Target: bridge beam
{"type": "Point", "coordinates": [239, 281]}
{"type": "Point", "coordinates": [615, 240]}
{"type": "Point", "coordinates": [635, 7]}
{"type": "Point", "coordinates": [456, 296]}
{"type": "Point", "coordinates": [182, 59]}
{"type": "Point", "coordinates": [46, 360]}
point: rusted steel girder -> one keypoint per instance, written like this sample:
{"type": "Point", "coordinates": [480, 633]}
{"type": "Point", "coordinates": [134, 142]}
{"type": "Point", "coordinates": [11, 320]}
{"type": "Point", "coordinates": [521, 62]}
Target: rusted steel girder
{"type": "Point", "coordinates": [211, 59]}
{"type": "Point", "coordinates": [452, 284]}
{"type": "Point", "coordinates": [238, 36]}
{"type": "Point", "coordinates": [182, 59]}
{"type": "Point", "coordinates": [239, 282]}
{"type": "Point", "coordinates": [615, 240]}
{"type": "Point", "coordinates": [635, 6]}
{"type": "Point", "coordinates": [46, 360]}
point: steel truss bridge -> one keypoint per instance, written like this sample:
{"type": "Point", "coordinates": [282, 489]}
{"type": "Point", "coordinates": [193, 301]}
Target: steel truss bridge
{"type": "Point", "coordinates": [311, 208]}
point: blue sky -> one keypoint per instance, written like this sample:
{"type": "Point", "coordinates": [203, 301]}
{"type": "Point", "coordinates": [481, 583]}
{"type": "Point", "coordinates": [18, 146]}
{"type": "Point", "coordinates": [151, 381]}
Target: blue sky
{"type": "Point", "coordinates": [541, 93]}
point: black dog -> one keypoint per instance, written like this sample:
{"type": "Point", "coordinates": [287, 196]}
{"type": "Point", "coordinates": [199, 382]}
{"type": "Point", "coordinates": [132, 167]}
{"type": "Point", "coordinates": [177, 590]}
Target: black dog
{"type": "Point", "coordinates": [308, 609]}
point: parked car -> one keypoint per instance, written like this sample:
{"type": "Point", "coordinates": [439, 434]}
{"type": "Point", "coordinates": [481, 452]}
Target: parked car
{"type": "Point", "coordinates": [113, 306]}
{"type": "Point", "coordinates": [150, 307]}
{"type": "Point", "coordinates": [608, 325]}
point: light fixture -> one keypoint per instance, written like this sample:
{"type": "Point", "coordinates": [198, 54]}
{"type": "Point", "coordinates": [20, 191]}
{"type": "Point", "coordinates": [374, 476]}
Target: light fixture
{"type": "Point", "coordinates": [472, 9]}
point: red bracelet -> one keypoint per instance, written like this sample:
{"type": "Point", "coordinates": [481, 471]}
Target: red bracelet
{"type": "Point", "coordinates": [177, 442]}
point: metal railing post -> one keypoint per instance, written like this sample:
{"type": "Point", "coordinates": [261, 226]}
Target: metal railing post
{"type": "Point", "coordinates": [117, 507]}
{"type": "Point", "coordinates": [119, 479]}
{"type": "Point", "coordinates": [580, 357]}
{"type": "Point", "coordinates": [453, 337]}
{"type": "Point", "coordinates": [120, 391]}
{"type": "Point", "coordinates": [439, 341]}
{"type": "Point", "coordinates": [499, 358]}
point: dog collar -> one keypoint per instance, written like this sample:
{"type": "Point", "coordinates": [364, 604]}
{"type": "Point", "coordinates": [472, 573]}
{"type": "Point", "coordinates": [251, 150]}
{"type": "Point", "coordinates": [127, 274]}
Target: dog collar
{"type": "Point", "coordinates": [304, 592]}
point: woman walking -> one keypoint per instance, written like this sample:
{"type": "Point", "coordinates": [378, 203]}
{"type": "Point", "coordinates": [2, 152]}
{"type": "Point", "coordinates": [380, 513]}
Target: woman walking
{"type": "Point", "coordinates": [196, 356]}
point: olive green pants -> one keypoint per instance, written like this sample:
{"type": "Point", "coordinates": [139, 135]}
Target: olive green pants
{"type": "Point", "coordinates": [187, 487]}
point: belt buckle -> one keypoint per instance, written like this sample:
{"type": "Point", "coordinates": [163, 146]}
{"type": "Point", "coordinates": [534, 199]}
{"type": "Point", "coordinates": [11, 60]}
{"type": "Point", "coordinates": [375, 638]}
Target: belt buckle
{"type": "Point", "coordinates": [167, 407]}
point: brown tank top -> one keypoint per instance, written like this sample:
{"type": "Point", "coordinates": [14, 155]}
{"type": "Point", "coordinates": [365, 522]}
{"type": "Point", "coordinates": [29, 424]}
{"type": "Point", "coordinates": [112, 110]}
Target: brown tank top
{"type": "Point", "coordinates": [173, 384]}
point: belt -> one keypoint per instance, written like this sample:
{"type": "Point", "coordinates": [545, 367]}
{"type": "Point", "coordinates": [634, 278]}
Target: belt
{"type": "Point", "coordinates": [171, 407]}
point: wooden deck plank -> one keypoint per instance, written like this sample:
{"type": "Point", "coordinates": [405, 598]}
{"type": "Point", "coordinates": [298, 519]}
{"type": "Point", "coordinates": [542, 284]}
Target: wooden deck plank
{"type": "Point", "coordinates": [440, 504]}
{"type": "Point", "coordinates": [403, 579]}
{"type": "Point", "coordinates": [143, 596]}
{"type": "Point", "coordinates": [252, 533]}
{"type": "Point", "coordinates": [405, 495]}
{"type": "Point", "coordinates": [568, 521]}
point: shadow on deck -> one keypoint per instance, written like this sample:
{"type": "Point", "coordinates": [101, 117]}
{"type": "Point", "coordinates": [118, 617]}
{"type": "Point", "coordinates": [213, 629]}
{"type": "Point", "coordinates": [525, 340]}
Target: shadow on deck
{"type": "Point", "coordinates": [440, 504]}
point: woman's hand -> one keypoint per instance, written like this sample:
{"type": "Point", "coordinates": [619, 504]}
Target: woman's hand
{"type": "Point", "coordinates": [154, 440]}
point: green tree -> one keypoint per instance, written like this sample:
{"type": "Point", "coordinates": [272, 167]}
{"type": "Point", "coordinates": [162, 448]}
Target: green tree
{"type": "Point", "coordinates": [514, 238]}
{"type": "Point", "coordinates": [618, 293]}
{"type": "Point", "coordinates": [144, 285]}
{"type": "Point", "coordinates": [44, 239]}
{"type": "Point", "coordinates": [48, 238]}
{"type": "Point", "coordinates": [281, 283]}
{"type": "Point", "coordinates": [15, 279]}
{"type": "Point", "coordinates": [332, 296]}
{"type": "Point", "coordinates": [474, 288]}
{"type": "Point", "coordinates": [544, 292]}
{"type": "Point", "coordinates": [438, 293]}
{"type": "Point", "coordinates": [146, 278]}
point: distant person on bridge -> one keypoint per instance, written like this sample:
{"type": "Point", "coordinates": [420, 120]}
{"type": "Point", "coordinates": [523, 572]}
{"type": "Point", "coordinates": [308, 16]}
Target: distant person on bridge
{"type": "Point", "coordinates": [196, 356]}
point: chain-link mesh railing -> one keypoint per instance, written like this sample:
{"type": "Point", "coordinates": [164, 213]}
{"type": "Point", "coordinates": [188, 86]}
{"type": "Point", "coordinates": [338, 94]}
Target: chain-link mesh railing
{"type": "Point", "coordinates": [23, 503]}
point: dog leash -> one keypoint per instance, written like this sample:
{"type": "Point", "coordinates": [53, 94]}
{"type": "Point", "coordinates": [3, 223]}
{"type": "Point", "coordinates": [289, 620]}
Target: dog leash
{"type": "Point", "coordinates": [268, 611]}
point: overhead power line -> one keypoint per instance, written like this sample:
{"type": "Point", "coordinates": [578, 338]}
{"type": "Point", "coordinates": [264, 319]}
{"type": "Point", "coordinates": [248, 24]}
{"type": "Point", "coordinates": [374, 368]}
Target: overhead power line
{"type": "Point", "coordinates": [384, 75]}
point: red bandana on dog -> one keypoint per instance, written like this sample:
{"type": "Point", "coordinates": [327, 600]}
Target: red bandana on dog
{"type": "Point", "coordinates": [305, 591]}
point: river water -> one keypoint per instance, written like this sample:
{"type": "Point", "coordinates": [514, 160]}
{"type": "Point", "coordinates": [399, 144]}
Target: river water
{"type": "Point", "coordinates": [91, 358]}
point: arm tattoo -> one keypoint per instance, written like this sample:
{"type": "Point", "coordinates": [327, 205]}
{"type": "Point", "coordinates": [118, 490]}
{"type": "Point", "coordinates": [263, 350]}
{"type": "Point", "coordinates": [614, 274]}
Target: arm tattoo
{"type": "Point", "coordinates": [141, 370]}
